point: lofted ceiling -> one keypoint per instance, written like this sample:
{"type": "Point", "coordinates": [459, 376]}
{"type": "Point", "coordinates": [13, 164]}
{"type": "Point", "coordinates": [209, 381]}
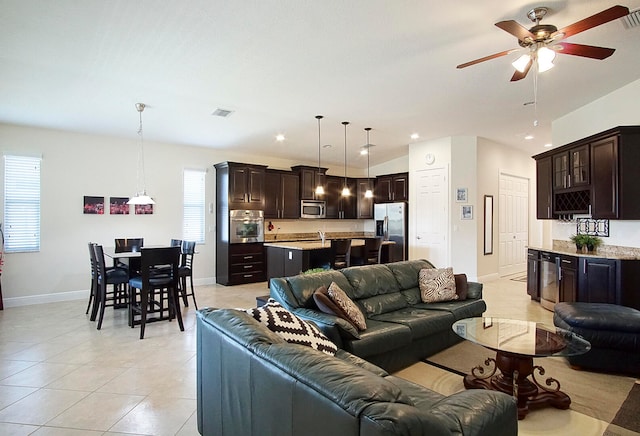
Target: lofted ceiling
{"type": "Point", "coordinates": [82, 65]}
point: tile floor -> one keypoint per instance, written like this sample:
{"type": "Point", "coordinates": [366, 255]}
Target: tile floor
{"type": "Point", "coordinates": [61, 376]}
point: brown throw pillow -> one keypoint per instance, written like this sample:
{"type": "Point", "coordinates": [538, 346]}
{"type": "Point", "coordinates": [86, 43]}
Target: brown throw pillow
{"type": "Point", "coordinates": [348, 308]}
{"type": "Point", "coordinates": [437, 285]}
{"type": "Point", "coordinates": [461, 286]}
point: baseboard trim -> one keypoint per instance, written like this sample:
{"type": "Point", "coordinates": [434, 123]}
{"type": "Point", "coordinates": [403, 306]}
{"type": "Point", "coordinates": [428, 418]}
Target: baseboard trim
{"type": "Point", "coordinates": [72, 295]}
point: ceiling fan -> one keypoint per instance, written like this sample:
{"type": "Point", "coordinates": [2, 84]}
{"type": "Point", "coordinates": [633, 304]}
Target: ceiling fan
{"type": "Point", "coordinates": [542, 40]}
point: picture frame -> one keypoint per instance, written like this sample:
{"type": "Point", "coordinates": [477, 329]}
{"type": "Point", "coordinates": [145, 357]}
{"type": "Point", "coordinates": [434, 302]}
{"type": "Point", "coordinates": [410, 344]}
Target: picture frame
{"type": "Point", "coordinates": [466, 212]}
{"type": "Point", "coordinates": [93, 205]}
{"type": "Point", "coordinates": [119, 206]}
{"type": "Point", "coordinates": [462, 195]}
{"type": "Point", "coordinates": [488, 224]}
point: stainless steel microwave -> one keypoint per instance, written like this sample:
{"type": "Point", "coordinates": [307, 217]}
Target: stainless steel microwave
{"type": "Point", "coordinates": [313, 209]}
{"type": "Point", "coordinates": [246, 226]}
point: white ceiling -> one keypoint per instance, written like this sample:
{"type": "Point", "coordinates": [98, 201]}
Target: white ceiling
{"type": "Point", "coordinates": [390, 65]}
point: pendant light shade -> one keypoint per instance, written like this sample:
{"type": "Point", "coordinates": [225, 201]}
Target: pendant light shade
{"type": "Point", "coordinates": [345, 188]}
{"type": "Point", "coordinates": [369, 192]}
{"type": "Point", "coordinates": [319, 187]}
{"type": "Point", "coordinates": [141, 196]}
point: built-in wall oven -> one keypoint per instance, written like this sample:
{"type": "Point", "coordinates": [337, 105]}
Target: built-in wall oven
{"type": "Point", "coordinates": [246, 226]}
{"type": "Point", "coordinates": [549, 279]}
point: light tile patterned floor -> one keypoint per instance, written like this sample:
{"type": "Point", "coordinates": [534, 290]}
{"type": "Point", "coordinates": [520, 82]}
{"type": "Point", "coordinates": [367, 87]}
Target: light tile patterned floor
{"type": "Point", "coordinates": [61, 376]}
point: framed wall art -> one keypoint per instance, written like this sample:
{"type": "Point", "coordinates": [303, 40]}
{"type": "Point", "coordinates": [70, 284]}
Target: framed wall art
{"type": "Point", "coordinates": [93, 205]}
{"type": "Point", "coordinates": [462, 195]}
{"type": "Point", "coordinates": [119, 206]}
{"type": "Point", "coordinates": [466, 212]}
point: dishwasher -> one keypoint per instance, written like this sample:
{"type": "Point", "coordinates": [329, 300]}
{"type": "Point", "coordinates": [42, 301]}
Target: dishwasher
{"type": "Point", "coordinates": [549, 279]}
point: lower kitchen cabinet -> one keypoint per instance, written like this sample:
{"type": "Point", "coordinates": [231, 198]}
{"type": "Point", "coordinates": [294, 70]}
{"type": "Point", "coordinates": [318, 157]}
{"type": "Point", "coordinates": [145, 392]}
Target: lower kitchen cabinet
{"type": "Point", "coordinates": [243, 263]}
{"type": "Point", "coordinates": [568, 279]}
{"type": "Point", "coordinates": [286, 262]}
{"type": "Point", "coordinates": [533, 274]}
{"type": "Point", "coordinates": [598, 281]}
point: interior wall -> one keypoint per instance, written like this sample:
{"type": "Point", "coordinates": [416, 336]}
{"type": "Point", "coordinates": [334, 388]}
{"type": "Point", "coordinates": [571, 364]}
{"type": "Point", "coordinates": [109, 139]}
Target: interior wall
{"type": "Point", "coordinates": [75, 165]}
{"type": "Point", "coordinates": [493, 159]}
{"type": "Point", "coordinates": [619, 108]}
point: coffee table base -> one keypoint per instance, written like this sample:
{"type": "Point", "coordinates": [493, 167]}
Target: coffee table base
{"type": "Point", "coordinates": [513, 379]}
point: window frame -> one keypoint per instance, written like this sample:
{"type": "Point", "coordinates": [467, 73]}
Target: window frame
{"type": "Point", "coordinates": [194, 205]}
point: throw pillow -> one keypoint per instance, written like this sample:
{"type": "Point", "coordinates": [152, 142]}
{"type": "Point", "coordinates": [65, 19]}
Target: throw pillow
{"type": "Point", "coordinates": [348, 308]}
{"type": "Point", "coordinates": [461, 286]}
{"type": "Point", "coordinates": [292, 328]}
{"type": "Point", "coordinates": [437, 285]}
{"type": "Point", "coordinates": [326, 305]}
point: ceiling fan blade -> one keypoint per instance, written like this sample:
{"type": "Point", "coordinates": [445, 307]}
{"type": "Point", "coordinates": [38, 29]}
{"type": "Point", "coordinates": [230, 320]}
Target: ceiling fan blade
{"type": "Point", "coordinates": [486, 58]}
{"type": "Point", "coordinates": [595, 20]}
{"type": "Point", "coordinates": [518, 75]}
{"type": "Point", "coordinates": [587, 51]}
{"type": "Point", "coordinates": [516, 30]}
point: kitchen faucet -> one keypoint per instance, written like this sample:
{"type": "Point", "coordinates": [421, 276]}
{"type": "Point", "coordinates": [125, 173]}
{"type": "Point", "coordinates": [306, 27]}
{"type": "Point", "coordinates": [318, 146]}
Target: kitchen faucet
{"type": "Point", "coordinates": [322, 235]}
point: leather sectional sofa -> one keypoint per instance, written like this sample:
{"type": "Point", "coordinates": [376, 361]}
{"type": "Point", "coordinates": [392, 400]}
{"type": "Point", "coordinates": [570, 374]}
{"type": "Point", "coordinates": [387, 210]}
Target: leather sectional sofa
{"type": "Point", "coordinates": [401, 329]}
{"type": "Point", "coordinates": [252, 382]}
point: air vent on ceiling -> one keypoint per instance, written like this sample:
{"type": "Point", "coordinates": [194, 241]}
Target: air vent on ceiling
{"type": "Point", "coordinates": [224, 113]}
{"type": "Point", "coordinates": [632, 20]}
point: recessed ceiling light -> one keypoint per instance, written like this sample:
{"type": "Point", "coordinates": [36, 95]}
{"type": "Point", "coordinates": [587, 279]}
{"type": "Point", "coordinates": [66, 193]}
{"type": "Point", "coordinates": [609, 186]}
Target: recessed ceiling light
{"type": "Point", "coordinates": [327, 146]}
{"type": "Point", "coordinates": [279, 137]}
{"type": "Point", "coordinates": [415, 136]}
{"type": "Point", "coordinates": [528, 137]}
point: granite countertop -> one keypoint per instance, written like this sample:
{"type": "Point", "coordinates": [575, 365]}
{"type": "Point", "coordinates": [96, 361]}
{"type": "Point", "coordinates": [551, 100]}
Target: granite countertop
{"type": "Point", "coordinates": [603, 252]}
{"type": "Point", "coordinates": [314, 245]}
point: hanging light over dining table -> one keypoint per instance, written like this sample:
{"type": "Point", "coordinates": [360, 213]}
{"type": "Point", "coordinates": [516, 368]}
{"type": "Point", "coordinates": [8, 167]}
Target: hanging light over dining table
{"type": "Point", "coordinates": [141, 196]}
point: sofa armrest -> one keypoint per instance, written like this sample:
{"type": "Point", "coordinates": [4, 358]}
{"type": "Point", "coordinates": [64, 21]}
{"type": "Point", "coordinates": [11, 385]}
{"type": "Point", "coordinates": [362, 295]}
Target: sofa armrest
{"type": "Point", "coordinates": [474, 290]}
{"type": "Point", "coordinates": [479, 412]}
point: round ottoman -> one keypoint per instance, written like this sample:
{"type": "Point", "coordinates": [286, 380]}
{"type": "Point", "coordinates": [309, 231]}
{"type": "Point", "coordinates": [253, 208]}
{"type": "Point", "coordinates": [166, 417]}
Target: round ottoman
{"type": "Point", "coordinates": [612, 330]}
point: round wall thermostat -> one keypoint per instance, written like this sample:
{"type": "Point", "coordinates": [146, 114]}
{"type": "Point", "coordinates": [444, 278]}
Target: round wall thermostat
{"type": "Point", "coordinates": [430, 158]}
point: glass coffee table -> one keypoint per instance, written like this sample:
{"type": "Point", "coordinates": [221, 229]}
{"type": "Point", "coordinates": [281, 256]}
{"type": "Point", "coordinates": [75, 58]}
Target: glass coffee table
{"type": "Point", "coordinates": [512, 371]}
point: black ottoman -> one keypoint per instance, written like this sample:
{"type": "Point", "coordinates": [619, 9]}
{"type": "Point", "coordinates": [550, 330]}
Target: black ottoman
{"type": "Point", "coordinates": [612, 330]}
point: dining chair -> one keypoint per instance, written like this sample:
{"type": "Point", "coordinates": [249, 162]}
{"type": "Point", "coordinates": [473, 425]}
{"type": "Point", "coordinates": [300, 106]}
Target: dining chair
{"type": "Point", "coordinates": [143, 298]}
{"type": "Point", "coordinates": [126, 245]}
{"type": "Point", "coordinates": [94, 278]}
{"type": "Point", "coordinates": [188, 249]}
{"type": "Point", "coordinates": [118, 277]}
{"type": "Point", "coordinates": [340, 253]}
{"type": "Point", "coordinates": [372, 250]}
{"type": "Point", "coordinates": [176, 242]}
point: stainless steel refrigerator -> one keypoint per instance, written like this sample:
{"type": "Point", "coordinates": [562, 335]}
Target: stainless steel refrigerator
{"type": "Point", "coordinates": [391, 224]}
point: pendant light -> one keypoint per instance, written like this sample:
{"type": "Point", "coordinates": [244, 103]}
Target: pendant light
{"type": "Point", "coordinates": [345, 188]}
{"type": "Point", "coordinates": [368, 193]}
{"type": "Point", "coordinates": [319, 187]}
{"type": "Point", "coordinates": [141, 196]}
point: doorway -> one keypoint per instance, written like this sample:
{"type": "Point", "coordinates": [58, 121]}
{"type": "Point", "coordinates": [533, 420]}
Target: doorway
{"type": "Point", "coordinates": [513, 226]}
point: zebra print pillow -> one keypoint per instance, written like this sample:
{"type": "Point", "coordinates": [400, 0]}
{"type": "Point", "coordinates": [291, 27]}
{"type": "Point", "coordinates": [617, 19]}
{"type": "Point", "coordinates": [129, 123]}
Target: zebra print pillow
{"type": "Point", "coordinates": [437, 285]}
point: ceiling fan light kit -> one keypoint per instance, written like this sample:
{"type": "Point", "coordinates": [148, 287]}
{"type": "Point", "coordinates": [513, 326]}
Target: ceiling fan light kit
{"type": "Point", "coordinates": [543, 40]}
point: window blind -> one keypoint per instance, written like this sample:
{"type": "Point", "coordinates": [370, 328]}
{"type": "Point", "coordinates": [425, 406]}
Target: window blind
{"type": "Point", "coordinates": [21, 203]}
{"type": "Point", "coordinates": [194, 205]}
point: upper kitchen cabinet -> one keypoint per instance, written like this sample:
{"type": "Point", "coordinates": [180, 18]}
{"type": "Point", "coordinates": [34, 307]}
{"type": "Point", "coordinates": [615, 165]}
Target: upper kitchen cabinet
{"type": "Point", "coordinates": [339, 206]}
{"type": "Point", "coordinates": [243, 184]}
{"type": "Point", "coordinates": [282, 198]}
{"type": "Point", "coordinates": [594, 175]}
{"type": "Point", "coordinates": [310, 177]}
{"type": "Point", "coordinates": [392, 187]}
{"type": "Point", "coordinates": [365, 205]}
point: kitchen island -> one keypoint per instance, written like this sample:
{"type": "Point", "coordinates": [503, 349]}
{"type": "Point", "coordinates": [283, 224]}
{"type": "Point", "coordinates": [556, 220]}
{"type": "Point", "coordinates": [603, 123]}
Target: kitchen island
{"type": "Point", "coordinates": [290, 258]}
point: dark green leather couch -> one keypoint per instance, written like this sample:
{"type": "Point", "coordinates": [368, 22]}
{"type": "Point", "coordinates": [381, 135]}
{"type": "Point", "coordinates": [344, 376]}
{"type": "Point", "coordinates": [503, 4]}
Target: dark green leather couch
{"type": "Point", "coordinates": [251, 382]}
{"type": "Point", "coordinates": [401, 329]}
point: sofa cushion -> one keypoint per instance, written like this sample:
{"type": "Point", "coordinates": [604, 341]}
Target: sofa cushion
{"type": "Point", "coordinates": [292, 328]}
{"type": "Point", "coordinates": [437, 285]}
{"type": "Point", "coordinates": [383, 303]}
{"type": "Point", "coordinates": [462, 286]}
{"type": "Point", "coordinates": [304, 285]}
{"type": "Point", "coordinates": [379, 337]}
{"type": "Point", "coordinates": [422, 323]}
{"type": "Point", "coordinates": [346, 306]}
{"type": "Point", "coordinates": [406, 272]}
{"type": "Point", "coordinates": [369, 280]}
{"type": "Point", "coordinates": [459, 309]}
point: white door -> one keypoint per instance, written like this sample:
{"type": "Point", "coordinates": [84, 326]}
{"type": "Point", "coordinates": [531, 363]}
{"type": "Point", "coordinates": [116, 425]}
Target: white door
{"type": "Point", "coordinates": [431, 215]}
{"type": "Point", "coordinates": [514, 224]}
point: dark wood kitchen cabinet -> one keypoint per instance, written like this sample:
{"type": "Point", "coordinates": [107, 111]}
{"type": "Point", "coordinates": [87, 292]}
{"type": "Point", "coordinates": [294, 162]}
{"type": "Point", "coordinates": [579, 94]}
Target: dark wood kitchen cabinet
{"type": "Point", "coordinates": [598, 280]}
{"type": "Point", "coordinates": [544, 187]}
{"type": "Point", "coordinates": [282, 197]}
{"type": "Point", "coordinates": [242, 183]}
{"type": "Point", "coordinates": [533, 274]}
{"type": "Point", "coordinates": [392, 187]}
{"type": "Point", "coordinates": [365, 205]}
{"type": "Point", "coordinates": [338, 206]}
{"type": "Point", "coordinates": [595, 175]}
{"type": "Point", "coordinates": [568, 279]}
{"type": "Point", "coordinates": [246, 264]}
{"type": "Point", "coordinates": [310, 177]}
